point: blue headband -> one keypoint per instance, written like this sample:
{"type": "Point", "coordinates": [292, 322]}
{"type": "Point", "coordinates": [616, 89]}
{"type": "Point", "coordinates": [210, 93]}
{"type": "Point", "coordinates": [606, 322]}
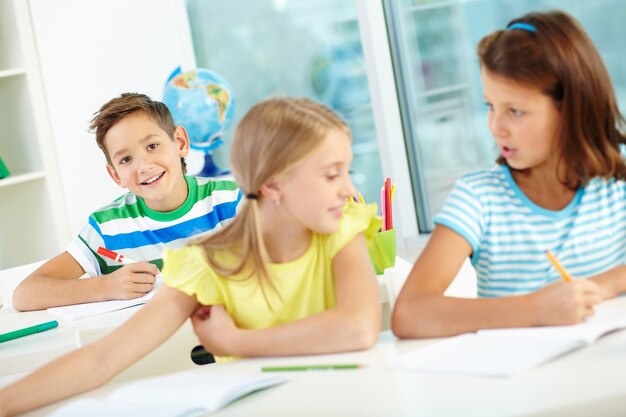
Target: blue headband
{"type": "Point", "coordinates": [522, 26]}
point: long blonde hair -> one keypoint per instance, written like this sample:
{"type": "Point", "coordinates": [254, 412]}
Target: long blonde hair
{"type": "Point", "coordinates": [272, 137]}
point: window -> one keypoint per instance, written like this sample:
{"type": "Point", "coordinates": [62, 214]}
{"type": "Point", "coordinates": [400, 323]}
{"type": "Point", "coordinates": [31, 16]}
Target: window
{"type": "Point", "coordinates": [302, 48]}
{"type": "Point", "coordinates": [268, 48]}
{"type": "Point", "coordinates": [433, 47]}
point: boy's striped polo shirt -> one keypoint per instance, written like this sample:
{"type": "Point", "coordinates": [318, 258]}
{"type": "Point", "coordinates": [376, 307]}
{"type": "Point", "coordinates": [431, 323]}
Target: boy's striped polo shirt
{"type": "Point", "coordinates": [129, 227]}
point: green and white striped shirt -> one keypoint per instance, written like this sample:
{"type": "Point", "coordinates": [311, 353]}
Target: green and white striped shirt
{"type": "Point", "coordinates": [129, 227]}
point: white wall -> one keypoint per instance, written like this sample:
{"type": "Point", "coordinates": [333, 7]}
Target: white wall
{"type": "Point", "coordinates": [89, 52]}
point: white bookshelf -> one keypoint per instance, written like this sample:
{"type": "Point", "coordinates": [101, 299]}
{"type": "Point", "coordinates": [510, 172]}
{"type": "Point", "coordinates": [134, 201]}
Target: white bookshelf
{"type": "Point", "coordinates": [33, 224]}
{"type": "Point", "coordinates": [60, 60]}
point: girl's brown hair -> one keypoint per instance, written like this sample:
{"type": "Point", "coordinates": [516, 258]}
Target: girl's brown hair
{"type": "Point", "coordinates": [272, 137]}
{"type": "Point", "coordinates": [560, 59]}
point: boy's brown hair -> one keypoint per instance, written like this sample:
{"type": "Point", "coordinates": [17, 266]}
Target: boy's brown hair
{"type": "Point", "coordinates": [118, 108]}
{"type": "Point", "coordinates": [560, 60]}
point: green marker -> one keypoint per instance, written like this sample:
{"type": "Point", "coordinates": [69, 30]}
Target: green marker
{"type": "Point", "coordinates": [29, 330]}
{"type": "Point", "coordinates": [309, 368]}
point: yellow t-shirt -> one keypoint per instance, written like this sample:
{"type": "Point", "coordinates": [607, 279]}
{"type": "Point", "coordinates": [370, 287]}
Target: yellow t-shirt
{"type": "Point", "coordinates": [306, 284]}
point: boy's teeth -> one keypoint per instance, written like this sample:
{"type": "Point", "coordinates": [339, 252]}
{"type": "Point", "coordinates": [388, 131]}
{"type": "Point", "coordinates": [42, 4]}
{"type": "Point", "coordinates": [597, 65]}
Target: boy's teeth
{"type": "Point", "coordinates": [151, 180]}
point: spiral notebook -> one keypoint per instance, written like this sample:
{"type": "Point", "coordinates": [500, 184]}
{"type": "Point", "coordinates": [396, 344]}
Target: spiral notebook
{"type": "Point", "coordinates": [183, 394]}
{"type": "Point", "coordinates": [505, 352]}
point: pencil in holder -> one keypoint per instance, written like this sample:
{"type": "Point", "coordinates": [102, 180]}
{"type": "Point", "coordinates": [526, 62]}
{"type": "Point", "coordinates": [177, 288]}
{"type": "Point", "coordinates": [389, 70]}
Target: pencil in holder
{"type": "Point", "coordinates": [382, 250]}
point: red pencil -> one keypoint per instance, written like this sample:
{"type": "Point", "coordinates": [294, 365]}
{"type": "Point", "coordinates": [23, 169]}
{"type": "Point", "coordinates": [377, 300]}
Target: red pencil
{"type": "Point", "coordinates": [388, 207]}
{"type": "Point", "coordinates": [115, 256]}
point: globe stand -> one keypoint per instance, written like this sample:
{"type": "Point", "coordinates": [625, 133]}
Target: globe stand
{"type": "Point", "coordinates": [210, 169]}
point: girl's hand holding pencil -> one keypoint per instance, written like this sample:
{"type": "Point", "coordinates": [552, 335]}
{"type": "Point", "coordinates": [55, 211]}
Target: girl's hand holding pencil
{"type": "Point", "coordinates": [563, 303]}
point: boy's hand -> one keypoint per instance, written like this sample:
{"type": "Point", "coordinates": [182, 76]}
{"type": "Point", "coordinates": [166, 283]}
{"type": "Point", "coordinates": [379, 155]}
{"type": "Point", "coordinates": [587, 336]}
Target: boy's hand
{"type": "Point", "coordinates": [562, 303]}
{"type": "Point", "coordinates": [131, 281]}
{"type": "Point", "coordinates": [215, 329]}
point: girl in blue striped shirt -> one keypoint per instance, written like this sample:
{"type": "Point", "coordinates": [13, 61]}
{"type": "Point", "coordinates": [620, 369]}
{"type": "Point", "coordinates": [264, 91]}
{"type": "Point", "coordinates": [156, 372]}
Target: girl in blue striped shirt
{"type": "Point", "coordinates": [558, 185]}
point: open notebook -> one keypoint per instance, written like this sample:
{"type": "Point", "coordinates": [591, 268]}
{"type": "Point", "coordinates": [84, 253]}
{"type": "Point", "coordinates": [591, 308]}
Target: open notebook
{"type": "Point", "coordinates": [183, 394]}
{"type": "Point", "coordinates": [81, 311]}
{"type": "Point", "coordinates": [504, 352]}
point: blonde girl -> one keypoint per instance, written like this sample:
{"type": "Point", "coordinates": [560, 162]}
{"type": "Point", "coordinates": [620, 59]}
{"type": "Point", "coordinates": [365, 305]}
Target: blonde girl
{"type": "Point", "coordinates": [290, 275]}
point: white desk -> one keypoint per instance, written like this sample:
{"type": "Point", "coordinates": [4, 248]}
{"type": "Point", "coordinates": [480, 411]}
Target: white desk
{"type": "Point", "coordinates": [587, 382]}
{"type": "Point", "coordinates": [25, 354]}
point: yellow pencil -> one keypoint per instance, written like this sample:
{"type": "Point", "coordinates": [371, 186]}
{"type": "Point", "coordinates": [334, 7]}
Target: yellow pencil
{"type": "Point", "coordinates": [393, 190]}
{"type": "Point", "coordinates": [558, 266]}
{"type": "Point", "coordinates": [361, 199]}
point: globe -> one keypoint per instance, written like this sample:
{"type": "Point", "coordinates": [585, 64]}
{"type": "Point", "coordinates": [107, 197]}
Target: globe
{"type": "Point", "coordinates": [202, 101]}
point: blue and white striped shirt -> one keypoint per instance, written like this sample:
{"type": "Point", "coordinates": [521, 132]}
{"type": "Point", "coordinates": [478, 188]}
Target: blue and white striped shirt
{"type": "Point", "coordinates": [509, 234]}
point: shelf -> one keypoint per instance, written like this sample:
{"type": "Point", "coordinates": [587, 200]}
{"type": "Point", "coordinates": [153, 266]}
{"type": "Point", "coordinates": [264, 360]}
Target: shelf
{"type": "Point", "coordinates": [10, 49]}
{"type": "Point", "coordinates": [22, 178]}
{"type": "Point", "coordinates": [12, 72]}
{"type": "Point", "coordinates": [19, 145]}
{"type": "Point", "coordinates": [27, 230]}
{"type": "Point", "coordinates": [32, 225]}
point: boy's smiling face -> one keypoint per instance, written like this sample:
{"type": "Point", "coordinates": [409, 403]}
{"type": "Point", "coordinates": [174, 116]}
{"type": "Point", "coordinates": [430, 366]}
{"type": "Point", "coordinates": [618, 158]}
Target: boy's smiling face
{"type": "Point", "coordinates": [146, 160]}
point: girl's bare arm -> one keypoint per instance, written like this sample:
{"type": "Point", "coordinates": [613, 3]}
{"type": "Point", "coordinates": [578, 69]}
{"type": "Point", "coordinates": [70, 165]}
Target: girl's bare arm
{"type": "Point", "coordinates": [93, 365]}
{"type": "Point", "coordinates": [422, 310]}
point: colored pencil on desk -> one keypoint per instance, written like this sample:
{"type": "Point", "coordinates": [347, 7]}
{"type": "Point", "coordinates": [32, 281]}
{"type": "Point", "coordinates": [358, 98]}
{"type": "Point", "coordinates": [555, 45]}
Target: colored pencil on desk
{"type": "Point", "coordinates": [310, 368]}
{"type": "Point", "coordinates": [566, 276]}
{"type": "Point", "coordinates": [361, 199]}
{"type": "Point", "coordinates": [38, 328]}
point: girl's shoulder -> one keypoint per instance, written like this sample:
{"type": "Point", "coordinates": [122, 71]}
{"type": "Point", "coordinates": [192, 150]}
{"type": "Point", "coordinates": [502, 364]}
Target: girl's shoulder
{"type": "Point", "coordinates": [495, 176]}
{"type": "Point", "coordinates": [187, 269]}
{"type": "Point", "coordinates": [182, 264]}
{"type": "Point", "coordinates": [357, 218]}
{"type": "Point", "coordinates": [483, 185]}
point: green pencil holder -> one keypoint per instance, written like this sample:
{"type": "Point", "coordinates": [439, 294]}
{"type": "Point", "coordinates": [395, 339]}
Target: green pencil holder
{"type": "Point", "coordinates": [382, 250]}
{"type": "Point", "coordinates": [4, 172]}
